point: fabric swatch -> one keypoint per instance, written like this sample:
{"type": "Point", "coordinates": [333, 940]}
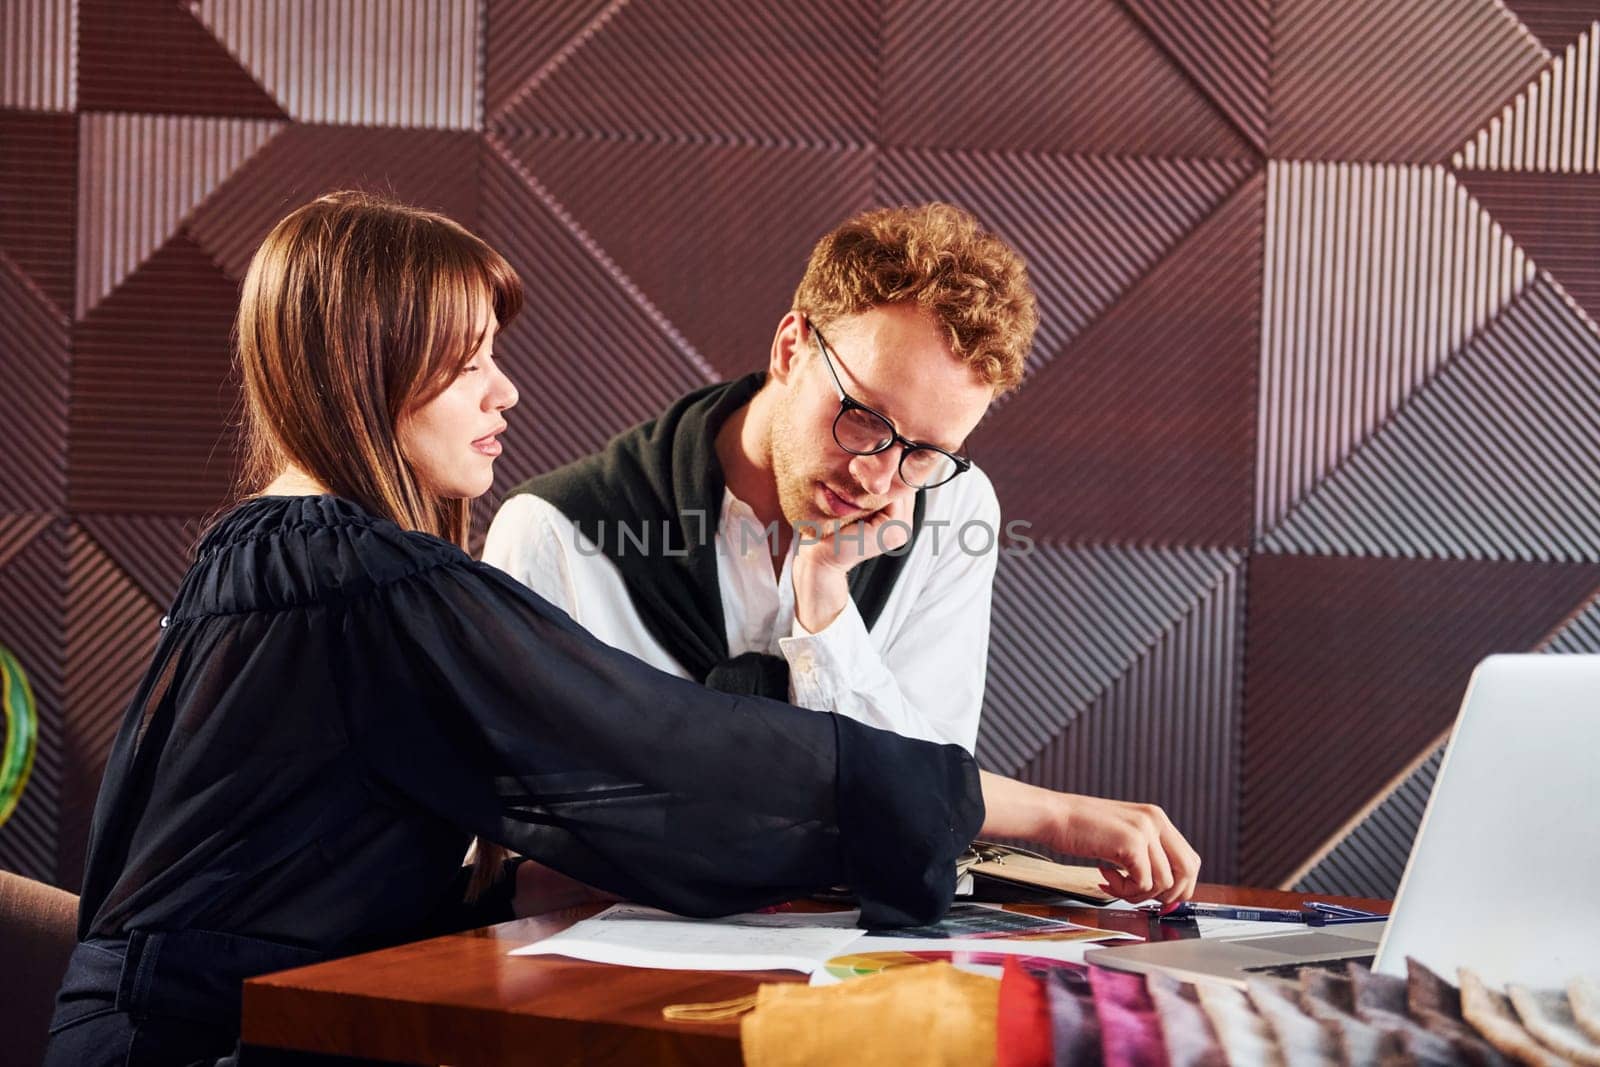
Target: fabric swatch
{"type": "Point", "coordinates": [1302, 1040]}
{"type": "Point", "coordinates": [1491, 1013]}
{"type": "Point", "coordinates": [1548, 1016]}
{"type": "Point", "coordinates": [1584, 995]}
{"type": "Point", "coordinates": [1382, 1001]}
{"type": "Point", "coordinates": [1074, 1026]}
{"type": "Point", "coordinates": [1243, 1033]}
{"type": "Point", "coordinates": [1022, 1030]}
{"type": "Point", "coordinates": [1436, 1004]}
{"type": "Point", "coordinates": [1130, 1036]}
{"type": "Point", "coordinates": [1190, 1039]}
{"type": "Point", "coordinates": [927, 1014]}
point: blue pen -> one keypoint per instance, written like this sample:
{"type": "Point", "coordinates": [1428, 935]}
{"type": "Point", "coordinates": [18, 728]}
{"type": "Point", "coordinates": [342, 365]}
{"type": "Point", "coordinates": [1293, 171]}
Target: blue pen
{"type": "Point", "coordinates": [1319, 919]}
{"type": "Point", "coordinates": [1192, 910]}
{"type": "Point", "coordinates": [1340, 911]}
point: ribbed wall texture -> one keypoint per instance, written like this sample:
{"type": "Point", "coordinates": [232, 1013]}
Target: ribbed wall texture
{"type": "Point", "coordinates": [1225, 46]}
{"type": "Point", "coordinates": [38, 57]}
{"type": "Point", "coordinates": [1555, 22]}
{"type": "Point", "coordinates": [38, 199]}
{"type": "Point", "coordinates": [1551, 126]}
{"type": "Point", "coordinates": [360, 62]}
{"type": "Point", "coordinates": [1497, 459]}
{"type": "Point", "coordinates": [139, 176]}
{"type": "Point", "coordinates": [1404, 81]}
{"type": "Point", "coordinates": [33, 402]}
{"type": "Point", "coordinates": [1354, 667]}
{"type": "Point", "coordinates": [686, 72]}
{"type": "Point", "coordinates": [1089, 226]}
{"type": "Point", "coordinates": [1058, 76]}
{"type": "Point", "coordinates": [1111, 605]}
{"type": "Point", "coordinates": [1147, 706]}
{"type": "Point", "coordinates": [1555, 218]}
{"type": "Point", "coordinates": [1371, 858]}
{"type": "Point", "coordinates": [1309, 426]}
{"type": "Point", "coordinates": [1374, 274]}
{"type": "Point", "coordinates": [1141, 430]}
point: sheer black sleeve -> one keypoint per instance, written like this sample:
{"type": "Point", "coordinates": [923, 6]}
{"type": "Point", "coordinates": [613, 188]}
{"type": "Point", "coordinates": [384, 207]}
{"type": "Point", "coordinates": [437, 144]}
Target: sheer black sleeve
{"type": "Point", "coordinates": [502, 716]}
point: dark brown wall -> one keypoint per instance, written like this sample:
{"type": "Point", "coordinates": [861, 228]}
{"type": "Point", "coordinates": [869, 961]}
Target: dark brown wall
{"type": "Point", "coordinates": [1310, 425]}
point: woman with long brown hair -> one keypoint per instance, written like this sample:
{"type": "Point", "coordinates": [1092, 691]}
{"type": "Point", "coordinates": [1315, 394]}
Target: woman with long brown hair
{"type": "Point", "coordinates": [341, 698]}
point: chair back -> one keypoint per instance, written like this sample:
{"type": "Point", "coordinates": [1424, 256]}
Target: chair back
{"type": "Point", "coordinates": [38, 928]}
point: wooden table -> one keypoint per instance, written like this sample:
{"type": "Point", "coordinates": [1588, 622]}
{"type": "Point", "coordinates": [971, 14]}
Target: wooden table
{"type": "Point", "coordinates": [461, 1000]}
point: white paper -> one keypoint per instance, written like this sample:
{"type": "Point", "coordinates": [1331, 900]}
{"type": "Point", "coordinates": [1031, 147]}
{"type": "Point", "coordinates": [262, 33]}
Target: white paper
{"type": "Point", "coordinates": [635, 936]}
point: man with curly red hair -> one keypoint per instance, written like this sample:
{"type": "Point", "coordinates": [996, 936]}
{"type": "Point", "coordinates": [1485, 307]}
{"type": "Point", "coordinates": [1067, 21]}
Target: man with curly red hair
{"type": "Point", "coordinates": [815, 531]}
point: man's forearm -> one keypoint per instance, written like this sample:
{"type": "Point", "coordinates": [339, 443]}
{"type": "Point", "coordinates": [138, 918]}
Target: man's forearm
{"type": "Point", "coordinates": [1019, 810]}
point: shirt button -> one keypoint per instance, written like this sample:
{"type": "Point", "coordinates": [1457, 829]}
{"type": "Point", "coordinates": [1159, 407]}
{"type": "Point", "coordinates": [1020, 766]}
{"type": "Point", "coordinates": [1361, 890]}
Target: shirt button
{"type": "Point", "coordinates": [805, 661]}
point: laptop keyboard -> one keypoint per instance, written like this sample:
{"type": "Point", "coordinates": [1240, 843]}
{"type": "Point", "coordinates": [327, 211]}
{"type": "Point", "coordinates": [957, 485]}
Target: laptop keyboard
{"type": "Point", "coordinates": [1292, 970]}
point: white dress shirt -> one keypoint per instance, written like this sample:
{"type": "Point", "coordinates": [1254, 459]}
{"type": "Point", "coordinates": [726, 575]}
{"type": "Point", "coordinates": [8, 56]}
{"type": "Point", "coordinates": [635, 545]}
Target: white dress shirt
{"type": "Point", "coordinates": [919, 672]}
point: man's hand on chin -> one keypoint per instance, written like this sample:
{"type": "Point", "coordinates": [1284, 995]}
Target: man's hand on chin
{"type": "Point", "coordinates": [828, 551]}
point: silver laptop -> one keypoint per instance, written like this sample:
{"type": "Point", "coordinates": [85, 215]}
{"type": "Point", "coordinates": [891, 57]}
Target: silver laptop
{"type": "Point", "coordinates": [1508, 846]}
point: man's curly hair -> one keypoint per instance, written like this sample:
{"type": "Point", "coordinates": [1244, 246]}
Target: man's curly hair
{"type": "Point", "coordinates": [940, 258]}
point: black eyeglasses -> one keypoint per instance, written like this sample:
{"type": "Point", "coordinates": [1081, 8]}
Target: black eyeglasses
{"type": "Point", "coordinates": [861, 431]}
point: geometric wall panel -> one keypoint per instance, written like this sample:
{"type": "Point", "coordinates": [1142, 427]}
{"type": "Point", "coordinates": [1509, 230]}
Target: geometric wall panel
{"type": "Point", "coordinates": [1165, 730]}
{"type": "Point", "coordinates": [33, 398]}
{"type": "Point", "coordinates": [800, 74]}
{"type": "Point", "coordinates": [154, 56]}
{"type": "Point", "coordinates": [589, 353]}
{"type": "Point", "coordinates": [139, 177]}
{"type": "Point", "coordinates": [654, 207]}
{"type": "Point", "coordinates": [1041, 76]}
{"type": "Point", "coordinates": [33, 584]}
{"type": "Point", "coordinates": [1225, 46]}
{"type": "Point", "coordinates": [17, 531]}
{"type": "Point", "coordinates": [111, 631]}
{"type": "Point", "coordinates": [530, 38]}
{"type": "Point", "coordinates": [38, 60]}
{"type": "Point", "coordinates": [1112, 606]}
{"type": "Point", "coordinates": [1495, 459]}
{"type": "Point", "coordinates": [1384, 79]}
{"type": "Point", "coordinates": [433, 169]}
{"type": "Point", "coordinates": [1551, 126]}
{"type": "Point", "coordinates": [151, 396]}
{"type": "Point", "coordinates": [1555, 218]}
{"type": "Point", "coordinates": [1357, 666]}
{"type": "Point", "coordinates": [1579, 636]}
{"type": "Point", "coordinates": [368, 62]}
{"type": "Point", "coordinates": [1369, 861]}
{"type": "Point", "coordinates": [1142, 430]}
{"type": "Point", "coordinates": [1374, 275]}
{"type": "Point", "coordinates": [38, 172]}
{"type": "Point", "coordinates": [1089, 227]}
{"type": "Point", "coordinates": [1555, 22]}
{"type": "Point", "coordinates": [152, 551]}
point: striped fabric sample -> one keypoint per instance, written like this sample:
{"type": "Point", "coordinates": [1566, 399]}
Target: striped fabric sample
{"type": "Point", "coordinates": [1190, 1038]}
{"type": "Point", "coordinates": [1244, 1035]}
{"type": "Point", "coordinates": [1491, 1013]}
{"type": "Point", "coordinates": [1129, 1033]}
{"type": "Point", "coordinates": [1548, 1016]}
{"type": "Point", "coordinates": [1074, 1026]}
{"type": "Point", "coordinates": [1302, 1039]}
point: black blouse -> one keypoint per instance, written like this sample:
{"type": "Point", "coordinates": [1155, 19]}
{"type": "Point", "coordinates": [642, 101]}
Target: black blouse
{"type": "Point", "coordinates": [336, 706]}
